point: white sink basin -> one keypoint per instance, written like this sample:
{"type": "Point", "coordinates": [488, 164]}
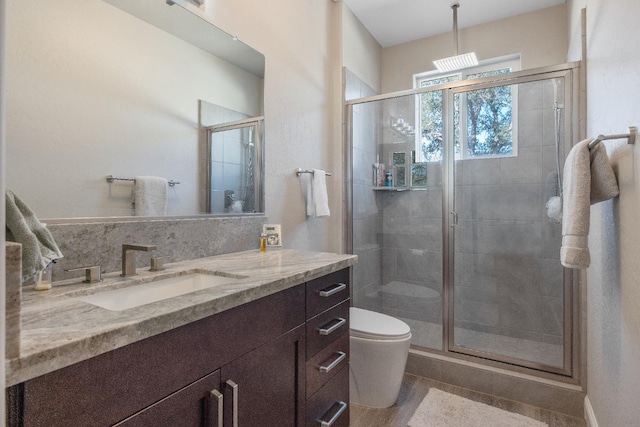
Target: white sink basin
{"type": "Point", "coordinates": [135, 296]}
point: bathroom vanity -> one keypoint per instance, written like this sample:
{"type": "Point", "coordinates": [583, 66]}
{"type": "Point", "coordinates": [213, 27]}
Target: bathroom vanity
{"type": "Point", "coordinates": [270, 349]}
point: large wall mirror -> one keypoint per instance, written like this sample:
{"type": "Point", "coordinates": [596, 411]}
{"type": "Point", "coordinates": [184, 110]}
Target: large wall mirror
{"type": "Point", "coordinates": [99, 88]}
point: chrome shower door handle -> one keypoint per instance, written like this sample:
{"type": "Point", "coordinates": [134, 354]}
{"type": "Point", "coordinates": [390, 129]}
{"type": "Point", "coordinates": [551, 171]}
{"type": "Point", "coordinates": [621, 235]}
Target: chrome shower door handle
{"type": "Point", "coordinates": [335, 417]}
{"type": "Point", "coordinates": [454, 218]}
{"type": "Point", "coordinates": [216, 409]}
{"type": "Point", "coordinates": [234, 401]}
{"type": "Point", "coordinates": [327, 331]}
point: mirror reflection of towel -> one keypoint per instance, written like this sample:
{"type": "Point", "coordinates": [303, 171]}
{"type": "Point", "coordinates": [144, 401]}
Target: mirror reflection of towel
{"type": "Point", "coordinates": [38, 247]}
{"type": "Point", "coordinates": [151, 195]}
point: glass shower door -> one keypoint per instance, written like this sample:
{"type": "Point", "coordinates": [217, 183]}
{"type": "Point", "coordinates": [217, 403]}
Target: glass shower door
{"type": "Point", "coordinates": [509, 299]}
{"type": "Point", "coordinates": [234, 167]}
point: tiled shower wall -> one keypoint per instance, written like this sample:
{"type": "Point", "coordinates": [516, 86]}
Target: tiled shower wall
{"type": "Point", "coordinates": [508, 277]}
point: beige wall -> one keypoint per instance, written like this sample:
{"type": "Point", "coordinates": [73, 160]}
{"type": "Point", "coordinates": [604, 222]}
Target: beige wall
{"type": "Point", "coordinates": [613, 279]}
{"type": "Point", "coordinates": [301, 43]}
{"type": "Point", "coordinates": [362, 54]}
{"type": "Point", "coordinates": [540, 37]}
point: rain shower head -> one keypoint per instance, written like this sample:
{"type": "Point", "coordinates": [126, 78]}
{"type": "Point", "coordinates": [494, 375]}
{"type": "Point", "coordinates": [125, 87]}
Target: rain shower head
{"type": "Point", "coordinates": [456, 62]}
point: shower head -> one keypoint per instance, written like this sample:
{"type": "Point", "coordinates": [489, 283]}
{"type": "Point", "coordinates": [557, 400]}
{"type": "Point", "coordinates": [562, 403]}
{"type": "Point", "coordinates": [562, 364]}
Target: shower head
{"type": "Point", "coordinates": [456, 62]}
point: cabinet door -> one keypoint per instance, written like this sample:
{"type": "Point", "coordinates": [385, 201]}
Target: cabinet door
{"type": "Point", "coordinates": [266, 387]}
{"type": "Point", "coordinates": [192, 406]}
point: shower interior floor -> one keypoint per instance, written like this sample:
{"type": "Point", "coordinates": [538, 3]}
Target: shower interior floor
{"type": "Point", "coordinates": [414, 389]}
{"type": "Point", "coordinates": [429, 335]}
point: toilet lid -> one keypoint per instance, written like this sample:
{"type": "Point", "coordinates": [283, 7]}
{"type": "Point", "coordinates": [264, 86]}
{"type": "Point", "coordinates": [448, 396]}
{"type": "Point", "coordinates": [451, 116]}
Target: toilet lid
{"type": "Point", "coordinates": [365, 323]}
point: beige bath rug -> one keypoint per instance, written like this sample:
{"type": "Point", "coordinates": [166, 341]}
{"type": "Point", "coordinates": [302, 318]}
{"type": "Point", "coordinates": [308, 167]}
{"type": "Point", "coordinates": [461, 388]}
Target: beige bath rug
{"type": "Point", "coordinates": [440, 409]}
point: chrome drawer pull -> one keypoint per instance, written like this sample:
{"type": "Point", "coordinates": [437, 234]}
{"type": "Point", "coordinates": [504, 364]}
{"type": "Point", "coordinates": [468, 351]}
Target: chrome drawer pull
{"type": "Point", "coordinates": [333, 419]}
{"type": "Point", "coordinates": [216, 398]}
{"type": "Point", "coordinates": [340, 358]}
{"type": "Point", "coordinates": [323, 331]}
{"type": "Point", "coordinates": [340, 287]}
{"type": "Point", "coordinates": [234, 388]}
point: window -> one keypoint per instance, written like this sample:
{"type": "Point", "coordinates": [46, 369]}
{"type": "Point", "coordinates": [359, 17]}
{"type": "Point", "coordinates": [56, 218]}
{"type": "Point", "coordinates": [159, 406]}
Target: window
{"type": "Point", "coordinates": [488, 115]}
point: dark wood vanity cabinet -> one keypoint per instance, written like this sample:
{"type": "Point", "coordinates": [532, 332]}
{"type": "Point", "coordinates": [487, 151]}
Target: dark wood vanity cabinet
{"type": "Point", "coordinates": [253, 363]}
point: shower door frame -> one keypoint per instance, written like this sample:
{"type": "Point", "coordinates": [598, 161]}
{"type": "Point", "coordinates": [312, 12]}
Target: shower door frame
{"type": "Point", "coordinates": [572, 303]}
{"type": "Point", "coordinates": [449, 214]}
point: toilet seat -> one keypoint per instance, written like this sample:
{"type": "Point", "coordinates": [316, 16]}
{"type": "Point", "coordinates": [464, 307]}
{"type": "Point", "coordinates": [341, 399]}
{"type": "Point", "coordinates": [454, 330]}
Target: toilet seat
{"type": "Point", "coordinates": [377, 326]}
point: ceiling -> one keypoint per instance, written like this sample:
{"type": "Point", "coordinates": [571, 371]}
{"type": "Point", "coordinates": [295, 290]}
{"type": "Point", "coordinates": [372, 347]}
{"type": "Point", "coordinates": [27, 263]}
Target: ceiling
{"type": "Point", "coordinates": [397, 21]}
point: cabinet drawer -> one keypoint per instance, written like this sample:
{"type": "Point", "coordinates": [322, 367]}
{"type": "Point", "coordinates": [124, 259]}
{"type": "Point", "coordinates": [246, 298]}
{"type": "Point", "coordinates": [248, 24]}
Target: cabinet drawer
{"type": "Point", "coordinates": [331, 402]}
{"type": "Point", "coordinates": [327, 327]}
{"type": "Point", "coordinates": [326, 363]}
{"type": "Point", "coordinates": [327, 291]}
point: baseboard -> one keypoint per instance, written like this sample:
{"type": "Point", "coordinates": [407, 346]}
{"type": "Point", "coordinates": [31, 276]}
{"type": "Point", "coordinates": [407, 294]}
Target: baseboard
{"type": "Point", "coordinates": [589, 415]}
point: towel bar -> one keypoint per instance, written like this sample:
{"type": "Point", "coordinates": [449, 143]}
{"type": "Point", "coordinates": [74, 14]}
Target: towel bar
{"type": "Point", "coordinates": [111, 178]}
{"type": "Point", "coordinates": [300, 171]}
{"type": "Point", "coordinates": [630, 137]}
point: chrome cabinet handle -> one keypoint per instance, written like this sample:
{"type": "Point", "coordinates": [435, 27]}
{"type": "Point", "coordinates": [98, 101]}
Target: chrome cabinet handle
{"type": "Point", "coordinates": [324, 293]}
{"type": "Point", "coordinates": [333, 419]}
{"type": "Point", "coordinates": [216, 399]}
{"type": "Point", "coordinates": [340, 358]}
{"type": "Point", "coordinates": [234, 401]}
{"type": "Point", "coordinates": [323, 331]}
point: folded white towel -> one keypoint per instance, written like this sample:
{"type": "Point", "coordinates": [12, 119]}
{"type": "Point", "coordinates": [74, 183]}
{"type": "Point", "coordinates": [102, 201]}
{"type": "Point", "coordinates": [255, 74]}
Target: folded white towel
{"type": "Point", "coordinates": [317, 198]}
{"type": "Point", "coordinates": [320, 196]}
{"type": "Point", "coordinates": [151, 196]}
{"type": "Point", "coordinates": [588, 179]}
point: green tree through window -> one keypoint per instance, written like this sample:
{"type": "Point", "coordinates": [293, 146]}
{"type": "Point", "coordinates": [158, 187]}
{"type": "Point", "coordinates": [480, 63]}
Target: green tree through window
{"type": "Point", "coordinates": [488, 116]}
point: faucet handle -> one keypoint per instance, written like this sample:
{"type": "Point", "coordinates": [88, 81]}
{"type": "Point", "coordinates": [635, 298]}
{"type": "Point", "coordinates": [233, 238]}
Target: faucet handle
{"type": "Point", "coordinates": [92, 273]}
{"type": "Point", "coordinates": [157, 263]}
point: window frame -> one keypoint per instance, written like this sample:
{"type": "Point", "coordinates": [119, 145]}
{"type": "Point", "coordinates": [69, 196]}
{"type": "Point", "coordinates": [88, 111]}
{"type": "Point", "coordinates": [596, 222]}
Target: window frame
{"type": "Point", "coordinates": [513, 63]}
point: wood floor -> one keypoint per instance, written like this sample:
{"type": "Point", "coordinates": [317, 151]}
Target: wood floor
{"type": "Point", "coordinates": [414, 389]}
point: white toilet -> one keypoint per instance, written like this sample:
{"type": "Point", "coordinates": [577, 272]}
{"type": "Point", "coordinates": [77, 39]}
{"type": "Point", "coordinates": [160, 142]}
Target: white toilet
{"type": "Point", "coordinates": [379, 345]}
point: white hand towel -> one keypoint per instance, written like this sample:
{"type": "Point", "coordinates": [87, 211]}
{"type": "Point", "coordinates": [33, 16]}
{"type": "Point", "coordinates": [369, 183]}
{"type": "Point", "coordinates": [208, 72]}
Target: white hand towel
{"type": "Point", "coordinates": [151, 196]}
{"type": "Point", "coordinates": [311, 207]}
{"type": "Point", "coordinates": [588, 179]}
{"type": "Point", "coordinates": [317, 198]}
{"type": "Point", "coordinates": [320, 196]}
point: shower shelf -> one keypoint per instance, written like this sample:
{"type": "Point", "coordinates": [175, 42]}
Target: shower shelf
{"type": "Point", "coordinates": [391, 189]}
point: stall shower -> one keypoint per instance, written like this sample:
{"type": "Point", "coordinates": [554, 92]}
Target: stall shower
{"type": "Point", "coordinates": [461, 244]}
{"type": "Point", "coordinates": [232, 149]}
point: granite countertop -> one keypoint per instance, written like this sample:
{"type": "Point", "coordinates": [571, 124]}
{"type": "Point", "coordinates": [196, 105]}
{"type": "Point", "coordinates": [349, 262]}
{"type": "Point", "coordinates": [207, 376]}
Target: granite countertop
{"type": "Point", "coordinates": [59, 330]}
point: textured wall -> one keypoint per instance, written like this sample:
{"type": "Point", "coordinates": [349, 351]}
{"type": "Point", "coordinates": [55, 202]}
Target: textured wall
{"type": "Point", "coordinates": [86, 244]}
{"type": "Point", "coordinates": [540, 37]}
{"type": "Point", "coordinates": [613, 279]}
{"type": "Point", "coordinates": [303, 111]}
{"type": "Point", "coordinates": [361, 53]}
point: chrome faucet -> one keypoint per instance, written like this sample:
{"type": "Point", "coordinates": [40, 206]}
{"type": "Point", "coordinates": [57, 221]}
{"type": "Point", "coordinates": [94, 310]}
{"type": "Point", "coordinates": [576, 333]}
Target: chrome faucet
{"type": "Point", "coordinates": [129, 257]}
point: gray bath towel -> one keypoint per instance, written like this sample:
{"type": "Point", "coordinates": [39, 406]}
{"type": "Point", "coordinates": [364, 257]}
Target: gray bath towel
{"type": "Point", "coordinates": [38, 247]}
{"type": "Point", "coordinates": [588, 179]}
